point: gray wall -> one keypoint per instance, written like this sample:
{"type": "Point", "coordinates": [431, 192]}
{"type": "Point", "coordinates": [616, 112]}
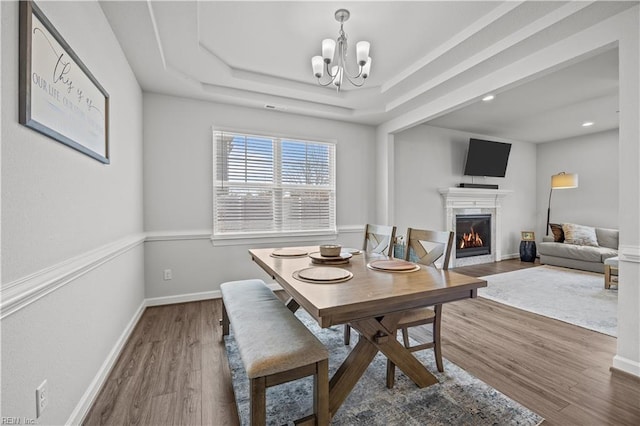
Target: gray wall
{"type": "Point", "coordinates": [428, 158]}
{"type": "Point", "coordinates": [58, 206]}
{"type": "Point", "coordinates": [595, 159]}
{"type": "Point", "coordinates": [178, 188]}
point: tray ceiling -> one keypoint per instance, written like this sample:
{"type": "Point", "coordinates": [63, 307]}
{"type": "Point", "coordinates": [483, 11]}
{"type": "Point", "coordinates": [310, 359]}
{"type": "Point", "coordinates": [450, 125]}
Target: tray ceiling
{"type": "Point", "coordinates": [258, 53]}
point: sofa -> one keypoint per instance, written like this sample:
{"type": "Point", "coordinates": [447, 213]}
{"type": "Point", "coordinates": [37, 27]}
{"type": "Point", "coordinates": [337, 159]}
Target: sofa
{"type": "Point", "coordinates": [578, 247]}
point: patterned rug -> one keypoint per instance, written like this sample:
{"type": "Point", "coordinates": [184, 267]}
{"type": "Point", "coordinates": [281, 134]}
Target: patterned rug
{"type": "Point", "coordinates": [569, 295]}
{"type": "Point", "coordinates": [459, 398]}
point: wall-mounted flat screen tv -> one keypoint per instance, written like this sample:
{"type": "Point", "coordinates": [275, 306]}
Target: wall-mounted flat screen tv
{"type": "Point", "coordinates": [487, 158]}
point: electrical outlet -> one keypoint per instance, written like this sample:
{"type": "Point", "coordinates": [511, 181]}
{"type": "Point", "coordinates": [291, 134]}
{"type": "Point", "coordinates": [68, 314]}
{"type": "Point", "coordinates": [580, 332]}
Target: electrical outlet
{"type": "Point", "coordinates": [42, 398]}
{"type": "Point", "coordinates": [168, 275]}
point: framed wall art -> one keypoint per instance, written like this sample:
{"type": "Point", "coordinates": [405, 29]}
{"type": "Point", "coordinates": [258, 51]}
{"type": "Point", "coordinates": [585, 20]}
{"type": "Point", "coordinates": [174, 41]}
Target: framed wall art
{"type": "Point", "coordinates": [528, 236]}
{"type": "Point", "coordinates": [59, 97]}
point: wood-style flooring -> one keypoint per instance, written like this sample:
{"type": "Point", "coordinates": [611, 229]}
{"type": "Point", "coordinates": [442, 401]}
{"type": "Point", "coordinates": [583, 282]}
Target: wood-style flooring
{"type": "Point", "coordinates": [173, 369]}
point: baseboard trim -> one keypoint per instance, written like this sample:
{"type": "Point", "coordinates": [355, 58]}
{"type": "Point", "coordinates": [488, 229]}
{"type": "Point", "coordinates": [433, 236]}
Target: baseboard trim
{"type": "Point", "coordinates": [24, 291]}
{"type": "Point", "coordinates": [194, 297]}
{"type": "Point", "coordinates": [624, 374]}
{"type": "Point", "coordinates": [510, 256]}
{"type": "Point", "coordinates": [86, 402]}
{"type": "Point", "coordinates": [183, 298]}
{"type": "Point", "coordinates": [627, 366]}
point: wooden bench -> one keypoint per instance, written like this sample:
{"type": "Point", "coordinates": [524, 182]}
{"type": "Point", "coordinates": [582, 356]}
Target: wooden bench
{"type": "Point", "coordinates": [274, 345]}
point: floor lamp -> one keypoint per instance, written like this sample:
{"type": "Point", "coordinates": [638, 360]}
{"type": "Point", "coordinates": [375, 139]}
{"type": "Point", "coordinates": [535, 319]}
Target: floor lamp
{"type": "Point", "coordinates": [560, 181]}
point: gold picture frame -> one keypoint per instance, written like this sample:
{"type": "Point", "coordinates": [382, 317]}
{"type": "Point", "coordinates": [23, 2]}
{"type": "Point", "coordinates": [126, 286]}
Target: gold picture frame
{"type": "Point", "coordinates": [528, 236]}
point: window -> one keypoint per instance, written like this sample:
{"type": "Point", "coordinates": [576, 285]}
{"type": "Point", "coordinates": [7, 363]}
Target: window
{"type": "Point", "coordinates": [271, 186]}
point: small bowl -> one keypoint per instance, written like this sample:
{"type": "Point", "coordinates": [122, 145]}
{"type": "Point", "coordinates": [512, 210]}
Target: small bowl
{"type": "Point", "coordinates": [330, 250]}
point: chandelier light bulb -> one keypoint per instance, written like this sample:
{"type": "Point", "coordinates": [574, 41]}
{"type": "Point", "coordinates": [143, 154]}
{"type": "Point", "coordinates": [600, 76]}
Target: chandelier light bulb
{"type": "Point", "coordinates": [318, 66]}
{"type": "Point", "coordinates": [362, 52]}
{"type": "Point", "coordinates": [328, 49]}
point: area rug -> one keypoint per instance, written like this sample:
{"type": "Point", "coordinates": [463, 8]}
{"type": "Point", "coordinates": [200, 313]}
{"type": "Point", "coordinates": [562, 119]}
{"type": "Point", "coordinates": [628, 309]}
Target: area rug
{"type": "Point", "coordinates": [569, 295]}
{"type": "Point", "coordinates": [458, 398]}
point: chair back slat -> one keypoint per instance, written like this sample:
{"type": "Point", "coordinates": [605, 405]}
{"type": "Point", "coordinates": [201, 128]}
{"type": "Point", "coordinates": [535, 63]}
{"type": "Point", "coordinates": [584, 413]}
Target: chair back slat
{"type": "Point", "coordinates": [379, 239]}
{"type": "Point", "coordinates": [440, 243]}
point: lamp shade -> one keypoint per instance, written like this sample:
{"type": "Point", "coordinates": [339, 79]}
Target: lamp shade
{"type": "Point", "coordinates": [564, 180]}
{"type": "Point", "coordinates": [328, 48]}
{"type": "Point", "coordinates": [318, 66]}
{"type": "Point", "coordinates": [362, 52]}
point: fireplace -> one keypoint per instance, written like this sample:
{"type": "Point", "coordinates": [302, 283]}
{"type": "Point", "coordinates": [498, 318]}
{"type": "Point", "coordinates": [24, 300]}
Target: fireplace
{"type": "Point", "coordinates": [473, 201]}
{"type": "Point", "coordinates": [473, 235]}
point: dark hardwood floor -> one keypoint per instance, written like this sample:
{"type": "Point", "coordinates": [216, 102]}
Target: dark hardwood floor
{"type": "Point", "coordinates": [173, 369]}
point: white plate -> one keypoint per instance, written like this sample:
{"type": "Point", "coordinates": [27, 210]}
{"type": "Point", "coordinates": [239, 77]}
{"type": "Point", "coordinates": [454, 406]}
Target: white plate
{"type": "Point", "coordinates": [317, 256]}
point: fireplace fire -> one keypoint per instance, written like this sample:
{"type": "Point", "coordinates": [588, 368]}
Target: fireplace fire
{"type": "Point", "coordinates": [472, 239]}
{"type": "Point", "coordinates": [473, 235]}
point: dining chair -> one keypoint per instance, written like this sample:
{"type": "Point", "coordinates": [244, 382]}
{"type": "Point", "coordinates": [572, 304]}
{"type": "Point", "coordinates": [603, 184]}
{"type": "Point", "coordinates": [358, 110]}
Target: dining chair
{"type": "Point", "coordinates": [377, 239]}
{"type": "Point", "coordinates": [424, 247]}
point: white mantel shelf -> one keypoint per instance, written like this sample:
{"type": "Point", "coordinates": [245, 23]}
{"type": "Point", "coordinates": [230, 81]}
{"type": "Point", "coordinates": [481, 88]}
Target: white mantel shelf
{"type": "Point", "coordinates": [473, 197]}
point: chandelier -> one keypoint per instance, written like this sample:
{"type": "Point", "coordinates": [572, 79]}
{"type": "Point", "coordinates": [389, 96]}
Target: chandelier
{"type": "Point", "coordinates": [338, 57]}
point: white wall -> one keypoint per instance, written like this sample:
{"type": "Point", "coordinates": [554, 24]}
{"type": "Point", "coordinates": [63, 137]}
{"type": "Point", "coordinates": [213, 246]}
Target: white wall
{"type": "Point", "coordinates": [67, 226]}
{"type": "Point", "coordinates": [624, 31]}
{"type": "Point", "coordinates": [428, 158]}
{"type": "Point", "coordinates": [594, 158]}
{"type": "Point", "coordinates": [628, 356]}
{"type": "Point", "coordinates": [178, 187]}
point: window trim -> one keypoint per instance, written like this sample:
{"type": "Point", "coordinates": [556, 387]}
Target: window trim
{"type": "Point", "coordinates": [270, 236]}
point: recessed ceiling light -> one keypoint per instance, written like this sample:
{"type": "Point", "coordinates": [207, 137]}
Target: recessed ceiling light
{"type": "Point", "coordinates": [488, 98]}
{"type": "Point", "coordinates": [587, 123]}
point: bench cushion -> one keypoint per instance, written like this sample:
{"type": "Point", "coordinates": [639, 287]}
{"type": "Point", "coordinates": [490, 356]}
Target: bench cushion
{"type": "Point", "coordinates": [270, 337]}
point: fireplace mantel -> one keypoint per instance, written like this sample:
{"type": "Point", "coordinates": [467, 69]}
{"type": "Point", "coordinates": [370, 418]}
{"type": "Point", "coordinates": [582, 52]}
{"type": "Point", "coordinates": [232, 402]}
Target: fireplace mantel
{"type": "Point", "coordinates": [474, 201]}
{"type": "Point", "coordinates": [473, 197]}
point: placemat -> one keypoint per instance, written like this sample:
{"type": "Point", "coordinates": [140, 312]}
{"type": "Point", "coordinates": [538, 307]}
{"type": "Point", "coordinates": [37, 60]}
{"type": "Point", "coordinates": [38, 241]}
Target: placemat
{"type": "Point", "coordinates": [393, 265]}
{"type": "Point", "coordinates": [322, 275]}
{"type": "Point", "coordinates": [289, 252]}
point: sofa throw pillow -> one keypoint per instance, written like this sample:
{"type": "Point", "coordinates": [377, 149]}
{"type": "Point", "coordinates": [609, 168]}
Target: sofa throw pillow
{"type": "Point", "coordinates": [558, 233]}
{"type": "Point", "coordinates": [579, 235]}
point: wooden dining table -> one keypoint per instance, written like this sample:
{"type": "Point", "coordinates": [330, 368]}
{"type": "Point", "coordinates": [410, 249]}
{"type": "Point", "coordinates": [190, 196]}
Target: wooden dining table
{"type": "Point", "coordinates": [372, 302]}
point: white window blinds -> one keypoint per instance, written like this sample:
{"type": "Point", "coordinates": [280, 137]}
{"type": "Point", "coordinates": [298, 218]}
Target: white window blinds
{"type": "Point", "coordinates": [272, 186]}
